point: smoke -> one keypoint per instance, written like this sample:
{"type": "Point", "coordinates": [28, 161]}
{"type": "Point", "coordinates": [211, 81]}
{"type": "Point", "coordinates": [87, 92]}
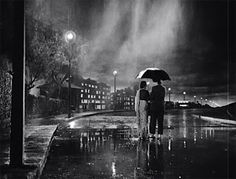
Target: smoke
{"type": "Point", "coordinates": [131, 34]}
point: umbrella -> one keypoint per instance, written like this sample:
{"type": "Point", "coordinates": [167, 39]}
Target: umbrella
{"type": "Point", "coordinates": [155, 74]}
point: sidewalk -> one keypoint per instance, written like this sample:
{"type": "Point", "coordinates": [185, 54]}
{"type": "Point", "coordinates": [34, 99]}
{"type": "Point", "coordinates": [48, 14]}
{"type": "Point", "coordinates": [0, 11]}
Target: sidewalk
{"type": "Point", "coordinates": [216, 120]}
{"type": "Point", "coordinates": [39, 134]}
{"type": "Point", "coordinates": [37, 145]}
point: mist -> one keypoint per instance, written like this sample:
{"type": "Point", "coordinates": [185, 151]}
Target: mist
{"type": "Point", "coordinates": [133, 35]}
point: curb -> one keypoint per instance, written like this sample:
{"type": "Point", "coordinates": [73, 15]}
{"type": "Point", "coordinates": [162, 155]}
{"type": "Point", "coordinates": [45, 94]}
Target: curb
{"type": "Point", "coordinates": [225, 121]}
{"type": "Point", "coordinates": [86, 115]}
{"type": "Point", "coordinates": [44, 161]}
{"type": "Point", "coordinates": [32, 167]}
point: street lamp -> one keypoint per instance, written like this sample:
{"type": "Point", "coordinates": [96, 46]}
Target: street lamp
{"type": "Point", "coordinates": [201, 100]}
{"type": "Point", "coordinates": [194, 98]}
{"type": "Point", "coordinates": [184, 93]}
{"type": "Point", "coordinates": [115, 74]}
{"type": "Point", "coordinates": [169, 91]}
{"type": "Point", "coordinates": [70, 37]}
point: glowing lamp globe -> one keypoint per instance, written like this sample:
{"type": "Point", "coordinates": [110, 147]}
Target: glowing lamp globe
{"type": "Point", "coordinates": [70, 36]}
{"type": "Point", "coordinates": [115, 73]}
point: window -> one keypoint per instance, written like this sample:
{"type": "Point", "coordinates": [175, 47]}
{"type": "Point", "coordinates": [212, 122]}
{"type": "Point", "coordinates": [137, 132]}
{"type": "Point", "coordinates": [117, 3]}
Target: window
{"type": "Point", "coordinates": [82, 84]}
{"type": "Point", "coordinates": [81, 95]}
{"type": "Point", "coordinates": [88, 96]}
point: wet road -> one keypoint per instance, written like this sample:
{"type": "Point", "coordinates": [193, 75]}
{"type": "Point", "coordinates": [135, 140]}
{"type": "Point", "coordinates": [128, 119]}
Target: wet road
{"type": "Point", "coordinates": [105, 147]}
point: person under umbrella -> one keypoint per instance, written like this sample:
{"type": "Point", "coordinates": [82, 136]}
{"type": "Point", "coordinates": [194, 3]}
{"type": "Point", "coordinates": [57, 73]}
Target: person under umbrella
{"type": "Point", "coordinates": [157, 108]}
{"type": "Point", "coordinates": [141, 107]}
{"type": "Point", "coordinates": [157, 96]}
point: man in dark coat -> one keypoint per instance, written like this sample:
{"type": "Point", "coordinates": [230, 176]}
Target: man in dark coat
{"type": "Point", "coordinates": [157, 107]}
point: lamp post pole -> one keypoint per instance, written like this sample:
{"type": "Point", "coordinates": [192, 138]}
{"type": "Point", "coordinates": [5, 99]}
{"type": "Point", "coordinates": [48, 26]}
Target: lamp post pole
{"type": "Point", "coordinates": [169, 91]}
{"type": "Point", "coordinates": [69, 86]}
{"type": "Point", "coordinates": [184, 93]}
{"type": "Point", "coordinates": [70, 37]}
{"type": "Point", "coordinates": [114, 74]}
{"type": "Point", "coordinates": [16, 8]}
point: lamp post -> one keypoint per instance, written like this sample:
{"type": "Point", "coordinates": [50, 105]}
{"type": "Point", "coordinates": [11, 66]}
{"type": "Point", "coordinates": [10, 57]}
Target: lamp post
{"type": "Point", "coordinates": [184, 93]}
{"type": "Point", "coordinates": [169, 91]}
{"type": "Point", "coordinates": [70, 37]}
{"type": "Point", "coordinates": [115, 74]}
{"type": "Point", "coordinates": [201, 100]}
{"type": "Point", "coordinates": [194, 98]}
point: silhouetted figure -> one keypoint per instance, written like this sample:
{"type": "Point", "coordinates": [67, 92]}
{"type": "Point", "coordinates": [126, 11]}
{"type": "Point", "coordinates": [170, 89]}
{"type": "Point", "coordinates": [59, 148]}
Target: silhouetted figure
{"type": "Point", "coordinates": [141, 108]}
{"type": "Point", "coordinates": [157, 107]}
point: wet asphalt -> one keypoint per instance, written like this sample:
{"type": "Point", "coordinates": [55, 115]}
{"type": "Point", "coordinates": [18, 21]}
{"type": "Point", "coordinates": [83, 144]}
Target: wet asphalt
{"type": "Point", "coordinates": [106, 147]}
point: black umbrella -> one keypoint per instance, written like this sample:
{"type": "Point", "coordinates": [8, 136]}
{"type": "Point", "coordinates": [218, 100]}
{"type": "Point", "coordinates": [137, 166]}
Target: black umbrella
{"type": "Point", "coordinates": [155, 74]}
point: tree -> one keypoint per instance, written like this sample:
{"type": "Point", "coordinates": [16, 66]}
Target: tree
{"type": "Point", "coordinates": [45, 52]}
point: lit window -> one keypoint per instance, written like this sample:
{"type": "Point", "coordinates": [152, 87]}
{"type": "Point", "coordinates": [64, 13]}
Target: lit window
{"type": "Point", "coordinates": [81, 95]}
{"type": "Point", "coordinates": [82, 84]}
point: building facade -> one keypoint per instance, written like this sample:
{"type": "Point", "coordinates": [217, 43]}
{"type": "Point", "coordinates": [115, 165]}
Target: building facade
{"type": "Point", "coordinates": [123, 99]}
{"type": "Point", "coordinates": [94, 95]}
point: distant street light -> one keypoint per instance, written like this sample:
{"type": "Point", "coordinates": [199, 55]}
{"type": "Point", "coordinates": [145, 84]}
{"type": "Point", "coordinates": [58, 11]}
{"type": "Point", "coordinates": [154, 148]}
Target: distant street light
{"type": "Point", "coordinates": [201, 100]}
{"type": "Point", "coordinates": [169, 91]}
{"type": "Point", "coordinates": [184, 93]}
{"type": "Point", "coordinates": [70, 37]}
{"type": "Point", "coordinates": [115, 74]}
{"type": "Point", "coordinates": [194, 98]}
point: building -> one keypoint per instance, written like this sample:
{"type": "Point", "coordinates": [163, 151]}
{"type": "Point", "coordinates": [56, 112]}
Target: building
{"type": "Point", "coordinates": [123, 99]}
{"type": "Point", "coordinates": [86, 94]}
{"type": "Point", "coordinates": [94, 95]}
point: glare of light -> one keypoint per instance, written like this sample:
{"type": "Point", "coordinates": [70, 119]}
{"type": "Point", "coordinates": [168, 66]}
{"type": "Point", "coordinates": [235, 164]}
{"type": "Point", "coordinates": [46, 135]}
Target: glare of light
{"type": "Point", "coordinates": [169, 145]}
{"type": "Point", "coordinates": [169, 89]}
{"type": "Point", "coordinates": [148, 83]}
{"type": "Point", "coordinates": [205, 99]}
{"type": "Point", "coordinates": [115, 73]}
{"type": "Point", "coordinates": [194, 96]}
{"type": "Point", "coordinates": [185, 144]}
{"type": "Point", "coordinates": [72, 124]}
{"type": "Point", "coordinates": [113, 169]}
{"type": "Point", "coordinates": [70, 36]}
{"type": "Point", "coordinates": [184, 92]}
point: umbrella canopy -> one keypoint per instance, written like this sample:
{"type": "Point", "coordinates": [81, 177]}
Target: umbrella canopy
{"type": "Point", "coordinates": [155, 74]}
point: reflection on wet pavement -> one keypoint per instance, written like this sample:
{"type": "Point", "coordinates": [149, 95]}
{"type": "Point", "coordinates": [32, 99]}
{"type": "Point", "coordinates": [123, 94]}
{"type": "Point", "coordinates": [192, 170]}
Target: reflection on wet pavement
{"type": "Point", "coordinates": [190, 148]}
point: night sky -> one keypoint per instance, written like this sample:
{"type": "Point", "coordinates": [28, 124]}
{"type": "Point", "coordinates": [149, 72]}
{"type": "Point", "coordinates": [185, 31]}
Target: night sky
{"type": "Point", "coordinates": [193, 40]}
